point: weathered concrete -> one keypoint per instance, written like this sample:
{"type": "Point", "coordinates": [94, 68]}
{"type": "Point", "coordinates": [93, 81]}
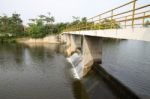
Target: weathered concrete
{"type": "Point", "coordinates": [91, 48]}
{"type": "Point", "coordinates": [90, 42]}
{"type": "Point", "coordinates": [128, 33]}
{"type": "Point", "coordinates": [68, 44]}
{"type": "Point", "coordinates": [92, 52]}
{"type": "Point", "coordinates": [47, 39]}
{"type": "Point", "coordinates": [62, 38]}
{"type": "Point", "coordinates": [73, 43]}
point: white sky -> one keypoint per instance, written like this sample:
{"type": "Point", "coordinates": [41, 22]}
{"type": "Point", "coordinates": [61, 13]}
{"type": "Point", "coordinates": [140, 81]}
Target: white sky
{"type": "Point", "coordinates": [62, 10]}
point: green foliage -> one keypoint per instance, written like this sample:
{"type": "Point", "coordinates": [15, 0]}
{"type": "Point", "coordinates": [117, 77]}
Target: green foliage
{"type": "Point", "coordinates": [35, 31]}
{"type": "Point", "coordinates": [11, 25]}
{"type": "Point", "coordinates": [40, 26]}
{"type": "Point", "coordinates": [59, 27]}
{"type": "Point", "coordinates": [108, 24]}
{"type": "Point", "coordinates": [43, 25]}
{"type": "Point", "coordinates": [83, 24]}
{"type": "Point", "coordinates": [147, 23]}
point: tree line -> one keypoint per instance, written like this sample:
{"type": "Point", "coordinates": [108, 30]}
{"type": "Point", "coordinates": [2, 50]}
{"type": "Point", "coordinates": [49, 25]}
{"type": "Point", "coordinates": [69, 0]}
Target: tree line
{"type": "Point", "coordinates": [44, 25]}
{"type": "Point", "coordinates": [37, 28]}
{"type": "Point", "coordinates": [11, 26]}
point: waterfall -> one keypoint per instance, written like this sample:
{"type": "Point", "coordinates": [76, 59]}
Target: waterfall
{"type": "Point", "coordinates": [77, 65]}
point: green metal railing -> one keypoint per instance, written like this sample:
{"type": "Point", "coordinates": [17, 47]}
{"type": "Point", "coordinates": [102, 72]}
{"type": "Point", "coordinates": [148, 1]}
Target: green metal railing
{"type": "Point", "coordinates": [123, 19]}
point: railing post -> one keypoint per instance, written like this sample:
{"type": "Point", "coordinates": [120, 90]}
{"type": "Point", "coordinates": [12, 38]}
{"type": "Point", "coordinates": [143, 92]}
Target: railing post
{"type": "Point", "coordinates": [143, 23]}
{"type": "Point", "coordinates": [99, 22]}
{"type": "Point", "coordinates": [76, 27]}
{"type": "Point", "coordinates": [133, 13]}
{"type": "Point", "coordinates": [86, 25]}
{"type": "Point", "coordinates": [112, 18]}
{"type": "Point", "coordinates": [92, 24]}
{"type": "Point", "coordinates": [126, 21]}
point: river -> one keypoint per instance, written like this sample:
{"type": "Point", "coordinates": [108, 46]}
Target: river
{"type": "Point", "coordinates": [42, 71]}
{"type": "Point", "coordinates": [36, 72]}
{"type": "Point", "coordinates": [129, 61]}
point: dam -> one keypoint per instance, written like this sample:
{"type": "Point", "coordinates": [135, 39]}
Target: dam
{"type": "Point", "coordinates": [85, 47]}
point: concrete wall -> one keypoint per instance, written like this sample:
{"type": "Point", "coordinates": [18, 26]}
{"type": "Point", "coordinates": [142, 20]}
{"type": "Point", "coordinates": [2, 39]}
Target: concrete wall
{"type": "Point", "coordinates": [90, 42]}
{"type": "Point", "coordinates": [92, 52]}
{"type": "Point", "coordinates": [128, 33]}
{"type": "Point", "coordinates": [73, 43]}
{"type": "Point", "coordinates": [47, 39]}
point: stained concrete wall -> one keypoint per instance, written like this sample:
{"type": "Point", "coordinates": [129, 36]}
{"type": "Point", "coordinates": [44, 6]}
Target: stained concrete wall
{"type": "Point", "coordinates": [68, 44]}
{"type": "Point", "coordinates": [73, 43]}
{"type": "Point", "coordinates": [92, 52]}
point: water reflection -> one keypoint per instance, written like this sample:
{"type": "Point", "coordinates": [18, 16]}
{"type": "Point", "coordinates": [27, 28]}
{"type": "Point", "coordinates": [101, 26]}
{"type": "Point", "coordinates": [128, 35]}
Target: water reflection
{"type": "Point", "coordinates": [36, 72]}
{"type": "Point", "coordinates": [97, 88]}
{"type": "Point", "coordinates": [79, 90]}
{"type": "Point", "coordinates": [129, 61]}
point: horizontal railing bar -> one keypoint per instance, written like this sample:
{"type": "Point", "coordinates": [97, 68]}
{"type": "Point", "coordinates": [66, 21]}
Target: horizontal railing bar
{"type": "Point", "coordinates": [113, 9]}
{"type": "Point", "coordinates": [124, 12]}
{"type": "Point", "coordinates": [131, 25]}
{"type": "Point", "coordinates": [121, 17]}
{"type": "Point", "coordinates": [147, 16]}
{"type": "Point", "coordinates": [135, 14]}
{"type": "Point", "coordinates": [132, 10]}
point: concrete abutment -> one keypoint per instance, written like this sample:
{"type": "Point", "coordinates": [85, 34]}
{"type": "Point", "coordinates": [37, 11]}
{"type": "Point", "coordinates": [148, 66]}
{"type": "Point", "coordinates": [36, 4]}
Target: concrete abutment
{"type": "Point", "coordinates": [92, 52]}
{"type": "Point", "coordinates": [90, 48]}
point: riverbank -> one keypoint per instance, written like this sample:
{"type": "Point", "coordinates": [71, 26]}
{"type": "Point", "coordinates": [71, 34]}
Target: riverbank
{"type": "Point", "coordinates": [47, 39]}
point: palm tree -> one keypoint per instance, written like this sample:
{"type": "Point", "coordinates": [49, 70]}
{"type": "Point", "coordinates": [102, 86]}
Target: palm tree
{"type": "Point", "coordinates": [42, 16]}
{"type": "Point", "coordinates": [147, 23]}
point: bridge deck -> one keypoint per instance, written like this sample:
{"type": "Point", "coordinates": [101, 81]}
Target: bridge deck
{"type": "Point", "coordinates": [129, 33]}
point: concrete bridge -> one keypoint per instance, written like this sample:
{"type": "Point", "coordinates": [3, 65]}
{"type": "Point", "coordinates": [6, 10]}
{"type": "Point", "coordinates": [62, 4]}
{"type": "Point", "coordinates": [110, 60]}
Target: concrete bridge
{"type": "Point", "coordinates": [88, 40]}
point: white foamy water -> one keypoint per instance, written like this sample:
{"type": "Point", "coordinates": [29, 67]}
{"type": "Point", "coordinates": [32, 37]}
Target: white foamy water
{"type": "Point", "coordinates": [77, 66]}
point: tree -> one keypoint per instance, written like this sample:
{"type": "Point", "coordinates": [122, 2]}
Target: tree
{"type": "Point", "coordinates": [11, 25]}
{"type": "Point", "coordinates": [42, 16]}
{"type": "Point", "coordinates": [34, 29]}
{"type": "Point", "coordinates": [49, 19]}
{"type": "Point", "coordinates": [16, 24]}
{"type": "Point", "coordinates": [84, 20]}
{"type": "Point", "coordinates": [147, 23]}
{"type": "Point", "coordinates": [76, 20]}
{"type": "Point", "coordinates": [41, 26]}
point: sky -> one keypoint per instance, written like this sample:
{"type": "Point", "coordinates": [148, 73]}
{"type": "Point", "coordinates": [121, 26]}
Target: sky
{"type": "Point", "coordinates": [62, 10]}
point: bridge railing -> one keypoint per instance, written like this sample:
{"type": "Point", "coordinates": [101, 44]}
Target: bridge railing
{"type": "Point", "coordinates": [111, 19]}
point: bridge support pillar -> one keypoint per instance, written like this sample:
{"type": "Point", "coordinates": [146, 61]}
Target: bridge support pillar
{"type": "Point", "coordinates": [73, 43]}
{"type": "Point", "coordinates": [92, 52]}
{"type": "Point", "coordinates": [63, 38]}
{"type": "Point", "coordinates": [91, 49]}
